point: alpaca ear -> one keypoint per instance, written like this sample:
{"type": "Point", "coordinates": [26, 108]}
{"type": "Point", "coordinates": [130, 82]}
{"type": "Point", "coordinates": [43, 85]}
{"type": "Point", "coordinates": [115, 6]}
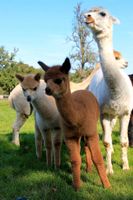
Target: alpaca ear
{"type": "Point", "coordinates": [19, 77]}
{"type": "Point", "coordinates": [43, 66]}
{"type": "Point", "coordinates": [66, 66]}
{"type": "Point", "coordinates": [37, 77]}
{"type": "Point", "coordinates": [115, 20]}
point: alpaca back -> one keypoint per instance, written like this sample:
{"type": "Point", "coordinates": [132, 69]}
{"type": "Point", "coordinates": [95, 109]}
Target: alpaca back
{"type": "Point", "coordinates": [18, 101]}
{"type": "Point", "coordinates": [86, 104]}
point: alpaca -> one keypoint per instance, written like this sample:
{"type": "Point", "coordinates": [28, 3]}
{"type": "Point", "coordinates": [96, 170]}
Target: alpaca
{"type": "Point", "coordinates": [98, 85]}
{"type": "Point", "coordinates": [23, 110]}
{"type": "Point", "coordinates": [118, 101]}
{"type": "Point", "coordinates": [47, 127]}
{"type": "Point", "coordinates": [130, 126]}
{"type": "Point", "coordinates": [76, 109]}
{"type": "Point", "coordinates": [85, 83]}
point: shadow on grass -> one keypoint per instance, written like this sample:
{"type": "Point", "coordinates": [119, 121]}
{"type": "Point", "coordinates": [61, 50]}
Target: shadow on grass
{"type": "Point", "coordinates": [23, 175]}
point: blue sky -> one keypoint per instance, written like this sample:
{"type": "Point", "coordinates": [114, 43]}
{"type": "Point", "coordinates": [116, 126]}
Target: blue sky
{"type": "Point", "coordinates": [39, 28]}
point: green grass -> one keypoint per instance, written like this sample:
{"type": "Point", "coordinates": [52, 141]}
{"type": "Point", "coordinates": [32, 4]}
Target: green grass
{"type": "Point", "coordinates": [21, 174]}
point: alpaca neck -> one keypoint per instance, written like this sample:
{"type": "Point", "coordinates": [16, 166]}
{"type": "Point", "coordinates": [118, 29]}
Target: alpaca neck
{"type": "Point", "coordinates": [67, 110]}
{"type": "Point", "coordinates": [110, 68]}
{"type": "Point", "coordinates": [44, 104]}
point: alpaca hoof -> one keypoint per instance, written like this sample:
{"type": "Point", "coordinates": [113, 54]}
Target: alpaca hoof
{"type": "Point", "coordinates": [125, 168]}
{"type": "Point", "coordinates": [108, 187]}
{"type": "Point", "coordinates": [88, 170]}
{"type": "Point", "coordinates": [39, 157]}
{"type": "Point", "coordinates": [77, 185]}
{"type": "Point", "coordinates": [107, 184]}
{"type": "Point", "coordinates": [109, 171]}
{"type": "Point", "coordinates": [17, 143]}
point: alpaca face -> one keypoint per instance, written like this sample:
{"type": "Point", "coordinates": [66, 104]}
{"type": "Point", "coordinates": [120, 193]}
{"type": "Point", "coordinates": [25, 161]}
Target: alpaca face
{"type": "Point", "coordinates": [121, 61]}
{"type": "Point", "coordinates": [56, 78]}
{"type": "Point", "coordinates": [29, 85]}
{"type": "Point", "coordinates": [99, 21]}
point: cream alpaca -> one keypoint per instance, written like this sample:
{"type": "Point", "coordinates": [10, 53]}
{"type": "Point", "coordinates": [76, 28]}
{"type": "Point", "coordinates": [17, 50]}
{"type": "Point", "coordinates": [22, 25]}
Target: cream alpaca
{"type": "Point", "coordinates": [120, 93]}
{"type": "Point", "coordinates": [47, 127]}
{"type": "Point", "coordinates": [23, 110]}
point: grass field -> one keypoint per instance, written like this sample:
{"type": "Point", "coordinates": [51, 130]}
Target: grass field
{"type": "Point", "coordinates": [21, 174]}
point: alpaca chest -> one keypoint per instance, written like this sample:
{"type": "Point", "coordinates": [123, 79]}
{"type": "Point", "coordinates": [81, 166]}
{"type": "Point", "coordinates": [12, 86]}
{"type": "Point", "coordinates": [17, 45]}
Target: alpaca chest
{"type": "Point", "coordinates": [87, 128]}
{"type": "Point", "coordinates": [46, 123]}
{"type": "Point", "coordinates": [116, 108]}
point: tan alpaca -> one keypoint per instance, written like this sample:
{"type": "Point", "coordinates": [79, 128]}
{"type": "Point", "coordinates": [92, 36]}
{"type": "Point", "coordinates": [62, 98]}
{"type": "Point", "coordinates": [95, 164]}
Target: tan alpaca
{"type": "Point", "coordinates": [47, 125]}
{"type": "Point", "coordinates": [79, 115]}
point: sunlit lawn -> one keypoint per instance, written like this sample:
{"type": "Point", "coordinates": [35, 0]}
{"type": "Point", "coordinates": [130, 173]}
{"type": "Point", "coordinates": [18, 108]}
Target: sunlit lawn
{"type": "Point", "coordinates": [21, 174]}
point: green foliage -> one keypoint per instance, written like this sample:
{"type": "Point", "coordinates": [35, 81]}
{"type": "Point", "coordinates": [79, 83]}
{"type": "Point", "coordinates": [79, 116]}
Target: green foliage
{"type": "Point", "coordinates": [21, 174]}
{"type": "Point", "coordinates": [9, 67]}
{"type": "Point", "coordinates": [79, 77]}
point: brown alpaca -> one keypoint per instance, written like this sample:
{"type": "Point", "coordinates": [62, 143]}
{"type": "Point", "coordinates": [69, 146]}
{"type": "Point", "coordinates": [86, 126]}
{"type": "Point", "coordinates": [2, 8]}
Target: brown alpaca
{"type": "Point", "coordinates": [79, 115]}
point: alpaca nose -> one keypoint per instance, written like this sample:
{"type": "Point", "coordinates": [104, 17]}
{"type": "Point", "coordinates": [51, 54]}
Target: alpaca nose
{"type": "Point", "coordinates": [48, 91]}
{"type": "Point", "coordinates": [28, 98]}
{"type": "Point", "coordinates": [88, 15]}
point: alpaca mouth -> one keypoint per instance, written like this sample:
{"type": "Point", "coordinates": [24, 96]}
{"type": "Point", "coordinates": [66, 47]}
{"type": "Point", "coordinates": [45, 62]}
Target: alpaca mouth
{"type": "Point", "coordinates": [89, 22]}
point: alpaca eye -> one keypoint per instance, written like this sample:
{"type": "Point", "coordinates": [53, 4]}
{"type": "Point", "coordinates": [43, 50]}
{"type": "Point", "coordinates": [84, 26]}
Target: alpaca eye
{"type": "Point", "coordinates": [117, 58]}
{"type": "Point", "coordinates": [58, 81]}
{"type": "Point", "coordinates": [35, 88]}
{"type": "Point", "coordinates": [103, 14]}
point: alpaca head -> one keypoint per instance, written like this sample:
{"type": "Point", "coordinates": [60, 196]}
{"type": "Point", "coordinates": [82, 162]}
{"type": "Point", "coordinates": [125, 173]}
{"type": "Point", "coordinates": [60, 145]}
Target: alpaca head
{"type": "Point", "coordinates": [120, 60]}
{"type": "Point", "coordinates": [56, 78]}
{"type": "Point", "coordinates": [29, 85]}
{"type": "Point", "coordinates": [100, 21]}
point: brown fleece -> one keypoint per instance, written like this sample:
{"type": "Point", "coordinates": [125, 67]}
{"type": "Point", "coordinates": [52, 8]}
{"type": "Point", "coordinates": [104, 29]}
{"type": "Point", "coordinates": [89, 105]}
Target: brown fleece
{"type": "Point", "coordinates": [79, 116]}
{"type": "Point", "coordinates": [130, 126]}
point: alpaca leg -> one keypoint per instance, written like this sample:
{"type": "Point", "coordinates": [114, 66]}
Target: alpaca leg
{"type": "Point", "coordinates": [20, 120]}
{"type": "Point", "coordinates": [130, 130]}
{"type": "Point", "coordinates": [88, 159]}
{"type": "Point", "coordinates": [108, 143]}
{"type": "Point", "coordinates": [48, 145]}
{"type": "Point", "coordinates": [38, 142]}
{"type": "Point", "coordinates": [74, 152]}
{"type": "Point", "coordinates": [124, 121]}
{"type": "Point", "coordinates": [93, 144]}
{"type": "Point", "coordinates": [112, 124]}
{"type": "Point", "coordinates": [57, 141]}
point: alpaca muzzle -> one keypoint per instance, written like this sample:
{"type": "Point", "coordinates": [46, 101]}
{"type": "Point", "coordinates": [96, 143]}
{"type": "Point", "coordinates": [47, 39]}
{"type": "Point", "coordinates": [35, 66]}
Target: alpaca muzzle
{"type": "Point", "coordinates": [29, 98]}
{"type": "Point", "coordinates": [89, 19]}
{"type": "Point", "coordinates": [48, 91]}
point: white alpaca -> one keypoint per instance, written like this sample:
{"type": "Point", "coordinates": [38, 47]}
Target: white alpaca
{"type": "Point", "coordinates": [98, 85]}
{"type": "Point", "coordinates": [119, 99]}
{"type": "Point", "coordinates": [23, 109]}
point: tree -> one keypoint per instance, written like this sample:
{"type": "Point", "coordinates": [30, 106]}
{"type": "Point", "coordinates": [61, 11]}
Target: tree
{"type": "Point", "coordinates": [9, 67]}
{"type": "Point", "coordinates": [82, 54]}
{"type": "Point", "coordinates": [6, 58]}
